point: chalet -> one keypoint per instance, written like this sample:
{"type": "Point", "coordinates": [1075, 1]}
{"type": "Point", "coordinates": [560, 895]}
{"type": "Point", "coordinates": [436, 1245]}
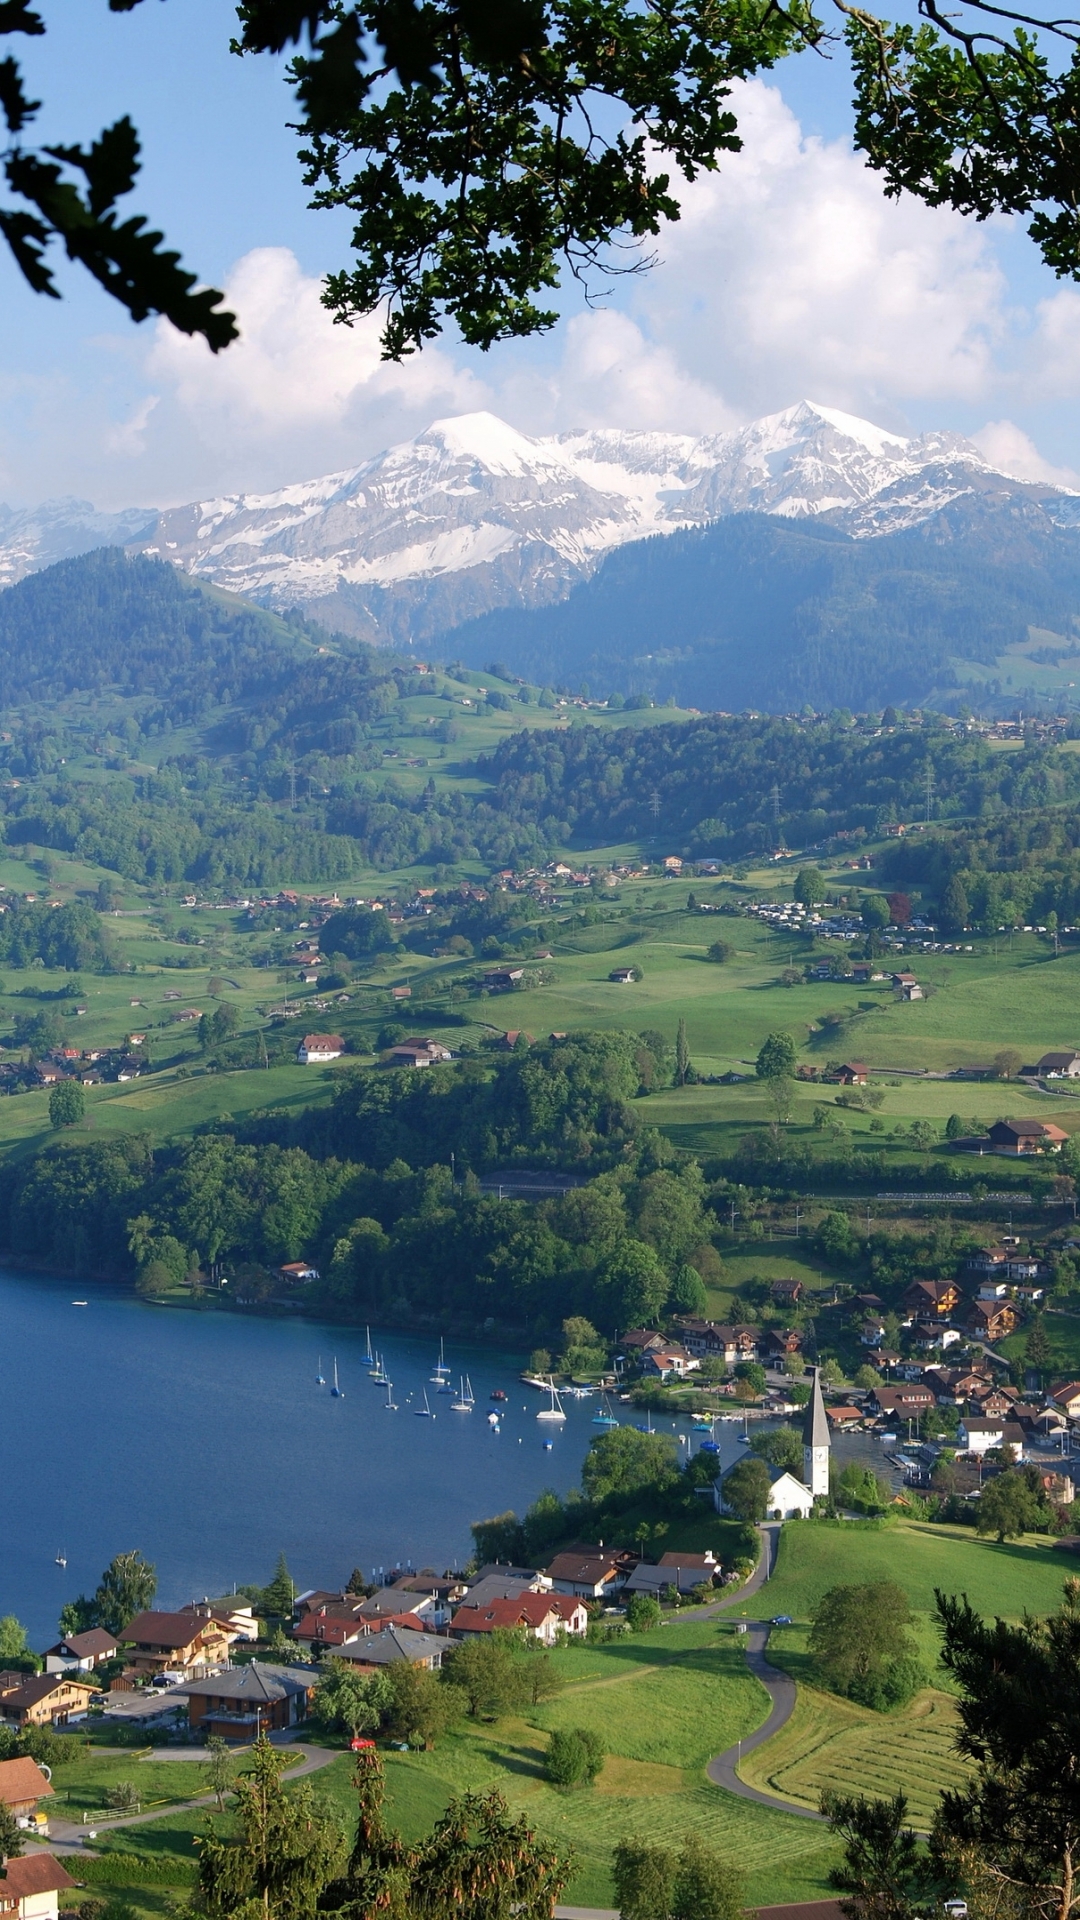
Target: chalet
{"type": "Point", "coordinates": [781, 1341]}
{"type": "Point", "coordinates": [671, 1359]}
{"type": "Point", "coordinates": [931, 1299]}
{"type": "Point", "coordinates": [853, 1074]}
{"type": "Point", "coordinates": [623, 976]}
{"type": "Point", "coordinates": [316, 1048]}
{"type": "Point", "coordinates": [22, 1785]}
{"type": "Point", "coordinates": [901, 980]}
{"type": "Point", "coordinates": [248, 1701]}
{"type": "Point", "coordinates": [29, 1888]}
{"type": "Point", "coordinates": [373, 1652]}
{"type": "Point", "coordinates": [991, 1319]}
{"type": "Point", "coordinates": [1067, 1399]}
{"type": "Point", "coordinates": [1059, 1066]}
{"type": "Point", "coordinates": [539, 1616]}
{"type": "Point", "coordinates": [904, 1402]}
{"type": "Point", "coordinates": [1026, 1136]}
{"type": "Point", "coordinates": [81, 1651]}
{"type": "Point", "coordinates": [786, 1293]}
{"type": "Point", "coordinates": [591, 1572]}
{"type": "Point", "coordinates": [512, 1036]}
{"type": "Point", "coordinates": [237, 1616]}
{"type": "Point", "coordinates": [400, 993]}
{"type": "Point", "coordinates": [501, 979]}
{"type": "Point", "coordinates": [712, 1340]}
{"type": "Point", "coordinates": [642, 1340]}
{"type": "Point", "coordinates": [989, 1261]}
{"type": "Point", "coordinates": [46, 1700]}
{"type": "Point", "coordinates": [186, 1643]}
{"type": "Point", "coordinates": [841, 1418]}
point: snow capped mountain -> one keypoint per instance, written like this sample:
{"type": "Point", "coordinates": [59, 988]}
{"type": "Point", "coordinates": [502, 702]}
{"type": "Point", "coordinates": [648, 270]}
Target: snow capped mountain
{"type": "Point", "coordinates": [473, 515]}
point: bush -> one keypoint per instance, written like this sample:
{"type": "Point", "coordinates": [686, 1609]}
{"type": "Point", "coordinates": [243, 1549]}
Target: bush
{"type": "Point", "coordinates": [642, 1612]}
{"type": "Point", "coordinates": [574, 1757]}
{"type": "Point", "coordinates": [67, 1104]}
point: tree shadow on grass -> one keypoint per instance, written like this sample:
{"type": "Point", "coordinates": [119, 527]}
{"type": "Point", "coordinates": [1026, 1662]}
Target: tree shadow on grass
{"type": "Point", "coordinates": [527, 1761]}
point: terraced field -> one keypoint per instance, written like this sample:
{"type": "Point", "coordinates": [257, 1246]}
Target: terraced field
{"type": "Point", "coordinates": [831, 1743]}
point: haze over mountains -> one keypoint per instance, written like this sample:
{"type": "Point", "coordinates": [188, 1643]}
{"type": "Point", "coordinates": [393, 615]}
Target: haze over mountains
{"type": "Point", "coordinates": [472, 516]}
{"type": "Point", "coordinates": [808, 558]}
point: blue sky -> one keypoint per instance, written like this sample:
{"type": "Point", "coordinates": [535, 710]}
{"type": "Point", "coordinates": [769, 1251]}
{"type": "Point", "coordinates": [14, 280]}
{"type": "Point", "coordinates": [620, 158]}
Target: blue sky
{"type": "Point", "coordinates": [789, 276]}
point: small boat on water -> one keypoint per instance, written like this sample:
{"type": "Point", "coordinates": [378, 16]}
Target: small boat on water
{"type": "Point", "coordinates": [462, 1404]}
{"type": "Point", "coordinates": [378, 1372]}
{"type": "Point", "coordinates": [390, 1404]}
{"type": "Point", "coordinates": [555, 1410]}
{"type": "Point", "coordinates": [369, 1357]}
{"type": "Point", "coordinates": [424, 1412]}
{"type": "Point", "coordinates": [335, 1391]}
{"type": "Point", "coordinates": [497, 1394]}
{"type": "Point", "coordinates": [493, 1422]}
{"type": "Point", "coordinates": [61, 1558]}
{"type": "Point", "coordinates": [80, 1303]}
{"type": "Point", "coordinates": [320, 1377]}
{"type": "Point", "coordinates": [604, 1416]}
{"type": "Point", "coordinates": [440, 1371]}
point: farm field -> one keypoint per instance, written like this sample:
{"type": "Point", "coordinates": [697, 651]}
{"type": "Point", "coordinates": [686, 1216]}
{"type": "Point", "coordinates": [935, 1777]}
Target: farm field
{"type": "Point", "coordinates": [664, 1702]}
{"type": "Point", "coordinates": [1027, 1574]}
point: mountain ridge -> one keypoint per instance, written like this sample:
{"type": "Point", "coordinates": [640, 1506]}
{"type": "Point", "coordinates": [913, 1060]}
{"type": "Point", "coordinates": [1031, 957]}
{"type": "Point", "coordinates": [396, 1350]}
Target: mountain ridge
{"type": "Point", "coordinates": [472, 516]}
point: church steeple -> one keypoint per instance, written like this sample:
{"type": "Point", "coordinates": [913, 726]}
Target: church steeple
{"type": "Point", "coordinates": [816, 1443]}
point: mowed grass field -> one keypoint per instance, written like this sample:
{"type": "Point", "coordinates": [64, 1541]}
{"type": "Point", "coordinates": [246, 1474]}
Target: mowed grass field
{"type": "Point", "coordinates": [831, 1744]}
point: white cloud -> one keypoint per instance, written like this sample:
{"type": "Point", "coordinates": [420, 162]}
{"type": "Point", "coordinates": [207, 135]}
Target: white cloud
{"type": "Point", "coordinates": [1012, 451]}
{"type": "Point", "coordinates": [790, 272]}
{"type": "Point", "coordinates": [611, 375]}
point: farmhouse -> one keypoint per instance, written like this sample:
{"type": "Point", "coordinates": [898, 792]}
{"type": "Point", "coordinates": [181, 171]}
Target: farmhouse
{"type": "Point", "coordinates": [853, 1074]}
{"type": "Point", "coordinates": [991, 1319]}
{"type": "Point", "coordinates": [931, 1299]}
{"type": "Point", "coordinates": [1026, 1136]}
{"type": "Point", "coordinates": [316, 1048]}
{"type": "Point", "coordinates": [1059, 1066]}
{"type": "Point", "coordinates": [623, 976]}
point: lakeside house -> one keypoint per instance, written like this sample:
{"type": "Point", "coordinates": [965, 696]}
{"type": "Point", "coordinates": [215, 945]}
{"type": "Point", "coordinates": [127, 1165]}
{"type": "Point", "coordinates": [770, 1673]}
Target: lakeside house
{"type": "Point", "coordinates": [591, 1572]}
{"type": "Point", "coordinates": [81, 1652]}
{"type": "Point", "coordinates": [46, 1700]}
{"type": "Point", "coordinates": [187, 1643]}
{"type": "Point", "coordinates": [540, 1616]}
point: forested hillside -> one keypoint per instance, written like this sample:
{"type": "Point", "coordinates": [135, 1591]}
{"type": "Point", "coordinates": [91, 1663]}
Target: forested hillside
{"type": "Point", "coordinates": [763, 612]}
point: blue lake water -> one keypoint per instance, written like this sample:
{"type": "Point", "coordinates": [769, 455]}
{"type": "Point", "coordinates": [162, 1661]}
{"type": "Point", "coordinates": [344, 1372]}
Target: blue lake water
{"type": "Point", "coordinates": [202, 1439]}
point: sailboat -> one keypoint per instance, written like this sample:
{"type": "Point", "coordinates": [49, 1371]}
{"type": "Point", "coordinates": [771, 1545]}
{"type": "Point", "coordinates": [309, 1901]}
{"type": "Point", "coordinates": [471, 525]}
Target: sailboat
{"type": "Point", "coordinates": [461, 1404]}
{"type": "Point", "coordinates": [555, 1411]}
{"type": "Point", "coordinates": [61, 1558]}
{"type": "Point", "coordinates": [604, 1416]}
{"type": "Point", "coordinates": [378, 1371]}
{"type": "Point", "coordinates": [369, 1357]}
{"type": "Point", "coordinates": [469, 1394]}
{"type": "Point", "coordinates": [320, 1377]}
{"type": "Point", "coordinates": [424, 1412]}
{"type": "Point", "coordinates": [440, 1370]}
{"type": "Point", "coordinates": [335, 1391]}
{"type": "Point", "coordinates": [391, 1403]}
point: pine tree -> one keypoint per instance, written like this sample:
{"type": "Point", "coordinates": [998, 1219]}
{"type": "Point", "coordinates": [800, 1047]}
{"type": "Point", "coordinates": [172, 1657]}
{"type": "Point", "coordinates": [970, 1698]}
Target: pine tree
{"type": "Point", "coordinates": [682, 1055]}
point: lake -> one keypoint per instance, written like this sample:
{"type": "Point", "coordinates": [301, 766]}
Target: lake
{"type": "Point", "coordinates": [202, 1439]}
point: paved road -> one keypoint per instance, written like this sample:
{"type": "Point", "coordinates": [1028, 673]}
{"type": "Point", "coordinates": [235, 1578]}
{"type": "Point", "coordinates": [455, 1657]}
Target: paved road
{"type": "Point", "coordinates": [69, 1836]}
{"type": "Point", "coordinates": [781, 1690]}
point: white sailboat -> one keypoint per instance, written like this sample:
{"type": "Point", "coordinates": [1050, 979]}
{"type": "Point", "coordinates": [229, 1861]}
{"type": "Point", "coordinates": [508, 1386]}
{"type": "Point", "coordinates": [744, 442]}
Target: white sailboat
{"type": "Point", "coordinates": [461, 1404]}
{"type": "Point", "coordinates": [335, 1390]}
{"type": "Point", "coordinates": [424, 1412]}
{"type": "Point", "coordinates": [391, 1403]}
{"type": "Point", "coordinates": [469, 1394]}
{"type": "Point", "coordinates": [440, 1370]}
{"type": "Point", "coordinates": [555, 1410]}
{"type": "Point", "coordinates": [378, 1371]}
{"type": "Point", "coordinates": [320, 1377]}
{"type": "Point", "coordinates": [369, 1357]}
{"type": "Point", "coordinates": [61, 1558]}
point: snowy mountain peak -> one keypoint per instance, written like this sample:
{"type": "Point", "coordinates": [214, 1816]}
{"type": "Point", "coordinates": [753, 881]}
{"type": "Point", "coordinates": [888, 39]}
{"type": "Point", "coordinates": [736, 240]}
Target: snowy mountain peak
{"type": "Point", "coordinates": [473, 514]}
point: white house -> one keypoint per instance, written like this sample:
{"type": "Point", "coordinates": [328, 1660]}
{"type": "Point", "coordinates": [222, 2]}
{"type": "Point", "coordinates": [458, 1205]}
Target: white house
{"type": "Point", "coordinates": [978, 1436]}
{"type": "Point", "coordinates": [317, 1047]}
{"type": "Point", "coordinates": [30, 1887]}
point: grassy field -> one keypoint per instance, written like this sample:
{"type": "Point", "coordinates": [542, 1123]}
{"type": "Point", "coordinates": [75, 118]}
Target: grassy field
{"type": "Point", "coordinates": [1006, 1580]}
{"type": "Point", "coordinates": [831, 1743]}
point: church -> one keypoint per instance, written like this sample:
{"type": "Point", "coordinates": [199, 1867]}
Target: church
{"type": "Point", "coordinates": [789, 1498]}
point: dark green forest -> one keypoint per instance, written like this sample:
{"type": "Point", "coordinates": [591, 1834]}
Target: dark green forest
{"type": "Point", "coordinates": [758, 611]}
